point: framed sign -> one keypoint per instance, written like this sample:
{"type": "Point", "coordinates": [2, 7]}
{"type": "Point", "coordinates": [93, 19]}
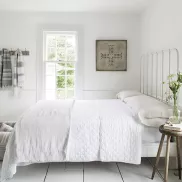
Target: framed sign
{"type": "Point", "coordinates": [111, 55]}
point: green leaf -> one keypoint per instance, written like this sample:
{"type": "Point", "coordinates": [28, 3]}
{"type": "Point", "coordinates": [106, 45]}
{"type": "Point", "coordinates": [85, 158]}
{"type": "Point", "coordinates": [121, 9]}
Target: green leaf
{"type": "Point", "coordinates": [70, 72]}
{"type": "Point", "coordinates": [60, 82]}
{"type": "Point", "coordinates": [171, 76]}
{"type": "Point", "coordinates": [70, 82]}
{"type": "Point", "coordinates": [180, 77]}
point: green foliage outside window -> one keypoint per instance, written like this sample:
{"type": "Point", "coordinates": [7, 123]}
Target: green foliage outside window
{"type": "Point", "coordinates": [60, 82]}
{"type": "Point", "coordinates": [51, 56]}
{"type": "Point", "coordinates": [61, 48]}
{"type": "Point", "coordinates": [70, 82]}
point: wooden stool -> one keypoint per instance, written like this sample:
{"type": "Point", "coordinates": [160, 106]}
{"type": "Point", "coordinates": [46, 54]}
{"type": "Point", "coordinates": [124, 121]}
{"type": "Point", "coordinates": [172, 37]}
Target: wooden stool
{"type": "Point", "coordinates": [169, 134]}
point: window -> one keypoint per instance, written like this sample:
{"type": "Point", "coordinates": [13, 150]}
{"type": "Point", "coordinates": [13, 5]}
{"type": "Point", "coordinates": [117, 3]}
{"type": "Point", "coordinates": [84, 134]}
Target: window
{"type": "Point", "coordinates": [60, 54]}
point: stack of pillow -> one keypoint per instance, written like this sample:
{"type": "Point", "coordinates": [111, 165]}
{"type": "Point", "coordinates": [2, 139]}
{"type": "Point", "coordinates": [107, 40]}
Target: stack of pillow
{"type": "Point", "coordinates": [150, 111]}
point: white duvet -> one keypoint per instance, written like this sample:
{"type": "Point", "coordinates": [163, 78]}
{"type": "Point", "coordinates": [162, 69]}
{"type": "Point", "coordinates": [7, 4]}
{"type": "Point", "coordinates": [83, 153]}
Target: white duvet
{"type": "Point", "coordinates": [77, 131]}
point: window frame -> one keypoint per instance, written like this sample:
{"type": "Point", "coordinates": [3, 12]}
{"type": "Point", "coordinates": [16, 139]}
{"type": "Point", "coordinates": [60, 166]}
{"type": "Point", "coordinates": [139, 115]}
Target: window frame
{"type": "Point", "coordinates": [45, 61]}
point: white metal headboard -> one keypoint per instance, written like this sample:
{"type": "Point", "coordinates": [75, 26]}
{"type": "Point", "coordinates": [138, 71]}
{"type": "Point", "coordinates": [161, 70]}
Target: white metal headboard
{"type": "Point", "coordinates": [154, 69]}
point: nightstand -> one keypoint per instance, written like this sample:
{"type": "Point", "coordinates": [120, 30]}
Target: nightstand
{"type": "Point", "coordinates": [169, 134]}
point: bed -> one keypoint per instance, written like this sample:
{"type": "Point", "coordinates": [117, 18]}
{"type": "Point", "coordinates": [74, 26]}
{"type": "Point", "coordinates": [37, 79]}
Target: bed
{"type": "Point", "coordinates": [85, 130]}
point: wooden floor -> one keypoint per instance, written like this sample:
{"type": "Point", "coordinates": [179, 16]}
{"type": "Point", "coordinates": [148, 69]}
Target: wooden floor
{"type": "Point", "coordinates": [89, 172]}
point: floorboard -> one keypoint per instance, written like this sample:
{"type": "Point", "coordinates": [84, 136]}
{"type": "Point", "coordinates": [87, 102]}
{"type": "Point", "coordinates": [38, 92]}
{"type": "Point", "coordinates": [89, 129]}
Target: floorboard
{"type": "Point", "coordinates": [31, 173]}
{"type": "Point", "coordinates": [171, 177]}
{"type": "Point", "coordinates": [101, 172]}
{"type": "Point", "coordinates": [161, 165]}
{"type": "Point", "coordinates": [138, 173]}
{"type": "Point", "coordinates": [89, 172]}
{"type": "Point", "coordinates": [65, 172]}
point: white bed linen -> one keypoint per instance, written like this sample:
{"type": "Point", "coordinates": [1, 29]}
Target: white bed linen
{"type": "Point", "coordinates": [150, 135]}
{"type": "Point", "coordinates": [144, 102]}
{"type": "Point", "coordinates": [152, 113]}
{"type": "Point", "coordinates": [54, 131]}
{"type": "Point", "coordinates": [145, 107]}
{"type": "Point", "coordinates": [154, 122]}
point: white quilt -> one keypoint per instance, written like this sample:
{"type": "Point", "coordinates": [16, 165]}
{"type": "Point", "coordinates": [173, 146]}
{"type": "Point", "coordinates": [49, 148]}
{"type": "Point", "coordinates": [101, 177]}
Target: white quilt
{"type": "Point", "coordinates": [77, 131]}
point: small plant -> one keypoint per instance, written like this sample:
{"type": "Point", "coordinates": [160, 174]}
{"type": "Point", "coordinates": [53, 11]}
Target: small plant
{"type": "Point", "coordinates": [174, 82]}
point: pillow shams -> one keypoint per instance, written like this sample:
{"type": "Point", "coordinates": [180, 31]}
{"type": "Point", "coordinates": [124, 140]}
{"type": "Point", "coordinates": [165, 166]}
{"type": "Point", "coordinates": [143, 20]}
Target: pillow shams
{"type": "Point", "coordinates": [152, 122]}
{"type": "Point", "coordinates": [140, 102]}
{"type": "Point", "coordinates": [152, 107]}
{"type": "Point", "coordinates": [157, 112]}
{"type": "Point", "coordinates": [127, 93]}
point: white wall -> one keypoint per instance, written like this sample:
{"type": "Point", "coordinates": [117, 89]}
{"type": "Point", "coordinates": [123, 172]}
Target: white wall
{"type": "Point", "coordinates": [20, 30]}
{"type": "Point", "coordinates": [161, 27]}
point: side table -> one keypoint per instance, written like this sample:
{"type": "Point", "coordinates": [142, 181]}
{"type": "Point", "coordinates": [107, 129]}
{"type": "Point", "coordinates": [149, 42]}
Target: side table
{"type": "Point", "coordinates": [169, 134]}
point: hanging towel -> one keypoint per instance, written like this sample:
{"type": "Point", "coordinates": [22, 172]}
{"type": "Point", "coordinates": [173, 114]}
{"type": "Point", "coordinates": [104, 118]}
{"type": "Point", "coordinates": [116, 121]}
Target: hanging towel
{"type": "Point", "coordinates": [5, 69]}
{"type": "Point", "coordinates": [1, 71]}
{"type": "Point", "coordinates": [18, 80]}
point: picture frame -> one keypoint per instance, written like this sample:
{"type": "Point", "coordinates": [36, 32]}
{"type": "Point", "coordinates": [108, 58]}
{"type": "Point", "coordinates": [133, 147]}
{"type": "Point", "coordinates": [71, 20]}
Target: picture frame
{"type": "Point", "coordinates": [111, 55]}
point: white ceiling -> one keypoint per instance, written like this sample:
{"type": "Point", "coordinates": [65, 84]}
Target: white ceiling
{"type": "Point", "coordinates": [75, 5]}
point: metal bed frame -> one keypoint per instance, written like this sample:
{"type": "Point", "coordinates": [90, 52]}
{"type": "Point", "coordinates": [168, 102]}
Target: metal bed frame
{"type": "Point", "coordinates": [154, 67]}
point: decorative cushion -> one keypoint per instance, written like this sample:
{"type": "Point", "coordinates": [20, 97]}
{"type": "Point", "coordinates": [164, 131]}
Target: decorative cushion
{"type": "Point", "coordinates": [5, 127]}
{"type": "Point", "coordinates": [5, 130]}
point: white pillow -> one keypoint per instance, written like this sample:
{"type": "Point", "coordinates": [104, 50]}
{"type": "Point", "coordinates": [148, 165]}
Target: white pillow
{"type": "Point", "coordinates": [151, 112]}
{"type": "Point", "coordinates": [140, 102]}
{"type": "Point", "coordinates": [153, 122]}
{"type": "Point", "coordinates": [157, 112]}
{"type": "Point", "coordinates": [127, 93]}
{"type": "Point", "coordinates": [148, 104]}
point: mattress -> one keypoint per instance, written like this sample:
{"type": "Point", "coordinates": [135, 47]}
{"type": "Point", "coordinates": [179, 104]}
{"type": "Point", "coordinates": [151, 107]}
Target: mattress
{"type": "Point", "coordinates": [150, 135]}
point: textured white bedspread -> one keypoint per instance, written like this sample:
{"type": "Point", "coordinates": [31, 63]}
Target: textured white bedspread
{"type": "Point", "coordinates": [90, 130]}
